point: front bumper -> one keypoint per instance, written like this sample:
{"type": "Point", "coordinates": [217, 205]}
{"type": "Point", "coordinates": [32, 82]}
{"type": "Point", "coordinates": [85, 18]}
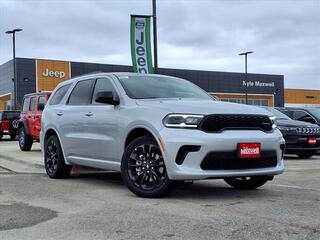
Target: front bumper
{"type": "Point", "coordinates": [190, 169]}
{"type": "Point", "coordinates": [299, 143]}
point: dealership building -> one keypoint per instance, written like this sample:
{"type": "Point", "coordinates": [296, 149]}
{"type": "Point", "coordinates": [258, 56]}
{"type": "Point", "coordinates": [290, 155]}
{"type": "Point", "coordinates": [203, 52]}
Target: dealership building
{"type": "Point", "coordinates": [43, 75]}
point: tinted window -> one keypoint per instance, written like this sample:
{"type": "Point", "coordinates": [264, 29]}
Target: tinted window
{"type": "Point", "coordinates": [288, 113]}
{"type": "Point", "coordinates": [103, 85]}
{"type": "Point", "coordinates": [26, 103]}
{"type": "Point", "coordinates": [81, 94]}
{"type": "Point", "coordinates": [59, 94]}
{"type": "Point", "coordinates": [11, 115]}
{"type": "Point", "coordinates": [141, 87]}
{"type": "Point", "coordinates": [32, 106]}
{"type": "Point", "coordinates": [300, 115]}
{"type": "Point", "coordinates": [41, 101]}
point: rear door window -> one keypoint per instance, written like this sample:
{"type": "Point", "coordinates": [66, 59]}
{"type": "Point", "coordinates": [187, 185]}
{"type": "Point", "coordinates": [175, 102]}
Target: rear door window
{"type": "Point", "coordinates": [32, 106]}
{"type": "Point", "coordinates": [26, 103]}
{"type": "Point", "coordinates": [81, 94]}
{"type": "Point", "coordinates": [59, 94]}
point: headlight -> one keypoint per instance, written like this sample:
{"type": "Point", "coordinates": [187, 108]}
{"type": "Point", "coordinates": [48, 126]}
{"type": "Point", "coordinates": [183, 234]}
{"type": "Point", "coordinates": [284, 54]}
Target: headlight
{"type": "Point", "coordinates": [273, 122]}
{"type": "Point", "coordinates": [182, 120]}
{"type": "Point", "coordinates": [283, 128]}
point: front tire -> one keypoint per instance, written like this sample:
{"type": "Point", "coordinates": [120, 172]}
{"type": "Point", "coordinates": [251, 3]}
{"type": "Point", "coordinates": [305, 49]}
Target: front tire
{"type": "Point", "coordinates": [53, 159]}
{"type": "Point", "coordinates": [248, 183]}
{"type": "Point", "coordinates": [143, 169]}
{"type": "Point", "coordinates": [25, 141]}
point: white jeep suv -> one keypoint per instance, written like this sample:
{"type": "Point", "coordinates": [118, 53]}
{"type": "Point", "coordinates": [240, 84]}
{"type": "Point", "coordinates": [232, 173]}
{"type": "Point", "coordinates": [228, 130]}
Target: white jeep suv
{"type": "Point", "coordinates": [158, 131]}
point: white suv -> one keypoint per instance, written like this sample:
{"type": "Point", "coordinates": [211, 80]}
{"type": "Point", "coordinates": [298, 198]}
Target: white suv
{"type": "Point", "coordinates": [158, 131]}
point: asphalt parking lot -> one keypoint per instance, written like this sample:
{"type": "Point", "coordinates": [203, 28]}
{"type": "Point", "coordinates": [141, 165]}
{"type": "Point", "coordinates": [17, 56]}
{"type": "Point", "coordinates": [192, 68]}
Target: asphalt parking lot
{"type": "Point", "coordinates": [96, 205]}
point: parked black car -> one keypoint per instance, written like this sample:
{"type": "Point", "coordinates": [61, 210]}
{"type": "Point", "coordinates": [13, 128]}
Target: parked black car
{"type": "Point", "coordinates": [9, 122]}
{"type": "Point", "coordinates": [306, 114]}
{"type": "Point", "coordinates": [302, 138]}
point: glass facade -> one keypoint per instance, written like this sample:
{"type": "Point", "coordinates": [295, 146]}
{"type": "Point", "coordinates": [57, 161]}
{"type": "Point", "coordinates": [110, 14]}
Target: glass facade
{"type": "Point", "coordinates": [256, 102]}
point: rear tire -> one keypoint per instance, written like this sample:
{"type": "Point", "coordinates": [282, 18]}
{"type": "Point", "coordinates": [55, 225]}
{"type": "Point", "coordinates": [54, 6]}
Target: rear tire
{"type": "Point", "coordinates": [143, 169]}
{"type": "Point", "coordinates": [25, 141]}
{"type": "Point", "coordinates": [248, 183]}
{"type": "Point", "coordinates": [305, 155]}
{"type": "Point", "coordinates": [53, 159]}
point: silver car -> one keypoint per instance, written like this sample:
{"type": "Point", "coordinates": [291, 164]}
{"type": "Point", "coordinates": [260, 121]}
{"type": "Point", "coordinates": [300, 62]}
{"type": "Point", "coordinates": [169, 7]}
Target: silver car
{"type": "Point", "coordinates": [159, 132]}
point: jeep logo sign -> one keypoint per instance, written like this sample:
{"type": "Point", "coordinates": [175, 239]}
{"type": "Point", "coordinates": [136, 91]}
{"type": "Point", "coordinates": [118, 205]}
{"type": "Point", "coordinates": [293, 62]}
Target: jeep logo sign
{"type": "Point", "coordinates": [57, 74]}
{"type": "Point", "coordinates": [140, 44]}
{"type": "Point", "coordinates": [49, 73]}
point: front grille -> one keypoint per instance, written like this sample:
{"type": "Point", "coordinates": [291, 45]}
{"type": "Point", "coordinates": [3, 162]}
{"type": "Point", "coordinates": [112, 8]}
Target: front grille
{"type": "Point", "coordinates": [230, 161]}
{"type": "Point", "coordinates": [221, 122]}
{"type": "Point", "coordinates": [310, 130]}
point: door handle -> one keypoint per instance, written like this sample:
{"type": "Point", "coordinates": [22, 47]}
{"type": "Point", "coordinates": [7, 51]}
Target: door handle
{"type": "Point", "coordinates": [60, 113]}
{"type": "Point", "coordinates": [89, 114]}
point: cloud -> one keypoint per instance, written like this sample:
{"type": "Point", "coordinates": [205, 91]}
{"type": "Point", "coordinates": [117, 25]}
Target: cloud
{"type": "Point", "coordinates": [192, 34]}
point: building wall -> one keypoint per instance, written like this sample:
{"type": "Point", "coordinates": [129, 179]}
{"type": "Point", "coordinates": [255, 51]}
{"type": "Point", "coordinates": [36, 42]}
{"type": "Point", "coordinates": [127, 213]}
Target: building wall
{"type": "Point", "coordinates": [302, 97]}
{"type": "Point", "coordinates": [6, 83]}
{"type": "Point", "coordinates": [210, 81]}
{"type": "Point", "coordinates": [261, 86]}
{"type": "Point", "coordinates": [26, 75]}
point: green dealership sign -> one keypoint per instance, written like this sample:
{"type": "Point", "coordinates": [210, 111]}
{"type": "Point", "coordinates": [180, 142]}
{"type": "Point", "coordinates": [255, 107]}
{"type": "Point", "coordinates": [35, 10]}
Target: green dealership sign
{"type": "Point", "coordinates": [140, 44]}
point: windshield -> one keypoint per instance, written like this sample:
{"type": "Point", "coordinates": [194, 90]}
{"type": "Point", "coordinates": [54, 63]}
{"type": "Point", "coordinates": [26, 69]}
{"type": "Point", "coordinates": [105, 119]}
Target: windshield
{"type": "Point", "coordinates": [143, 87]}
{"type": "Point", "coordinates": [315, 112]}
{"type": "Point", "coordinates": [279, 115]}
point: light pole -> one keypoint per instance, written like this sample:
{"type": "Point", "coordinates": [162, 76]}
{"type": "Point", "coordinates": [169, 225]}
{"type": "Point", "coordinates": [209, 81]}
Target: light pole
{"type": "Point", "coordinates": [245, 54]}
{"type": "Point", "coordinates": [13, 32]}
{"type": "Point", "coordinates": [155, 43]}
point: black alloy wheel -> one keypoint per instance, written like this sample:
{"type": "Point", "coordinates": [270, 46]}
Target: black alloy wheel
{"type": "Point", "coordinates": [143, 169]}
{"type": "Point", "coordinates": [54, 160]}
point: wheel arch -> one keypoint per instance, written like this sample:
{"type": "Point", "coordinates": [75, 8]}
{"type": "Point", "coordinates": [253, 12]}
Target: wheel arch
{"type": "Point", "coordinates": [136, 133]}
{"type": "Point", "coordinates": [24, 123]}
{"type": "Point", "coordinates": [53, 132]}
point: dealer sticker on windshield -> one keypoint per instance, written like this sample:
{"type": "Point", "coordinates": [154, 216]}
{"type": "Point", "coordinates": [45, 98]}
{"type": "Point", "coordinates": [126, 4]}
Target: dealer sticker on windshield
{"type": "Point", "coordinates": [249, 150]}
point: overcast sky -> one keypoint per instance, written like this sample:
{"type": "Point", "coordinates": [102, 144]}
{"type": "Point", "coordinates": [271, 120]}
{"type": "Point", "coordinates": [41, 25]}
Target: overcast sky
{"type": "Point", "coordinates": [192, 34]}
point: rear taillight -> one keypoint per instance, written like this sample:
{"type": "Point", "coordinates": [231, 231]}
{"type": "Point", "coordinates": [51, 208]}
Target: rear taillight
{"type": "Point", "coordinates": [4, 125]}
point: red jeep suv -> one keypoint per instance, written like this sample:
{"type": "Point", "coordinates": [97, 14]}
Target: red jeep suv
{"type": "Point", "coordinates": [9, 121]}
{"type": "Point", "coordinates": [30, 118]}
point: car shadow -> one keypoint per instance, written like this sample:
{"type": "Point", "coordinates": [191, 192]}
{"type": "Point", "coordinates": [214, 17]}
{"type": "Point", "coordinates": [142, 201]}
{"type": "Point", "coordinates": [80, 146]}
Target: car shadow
{"type": "Point", "coordinates": [213, 189]}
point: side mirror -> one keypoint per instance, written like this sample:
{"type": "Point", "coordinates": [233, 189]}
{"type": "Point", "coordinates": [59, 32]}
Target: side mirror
{"type": "Point", "coordinates": [107, 98]}
{"type": "Point", "coordinates": [40, 106]}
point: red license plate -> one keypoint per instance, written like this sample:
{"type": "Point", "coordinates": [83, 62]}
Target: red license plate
{"type": "Point", "coordinates": [312, 141]}
{"type": "Point", "coordinates": [249, 150]}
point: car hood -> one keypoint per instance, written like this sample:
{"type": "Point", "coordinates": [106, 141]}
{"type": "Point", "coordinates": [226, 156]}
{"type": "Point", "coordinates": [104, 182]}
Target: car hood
{"type": "Point", "coordinates": [294, 123]}
{"type": "Point", "coordinates": [204, 107]}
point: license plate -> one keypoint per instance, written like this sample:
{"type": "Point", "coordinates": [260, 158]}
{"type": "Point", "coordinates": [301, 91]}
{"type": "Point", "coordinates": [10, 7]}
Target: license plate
{"type": "Point", "coordinates": [312, 141]}
{"type": "Point", "coordinates": [249, 150]}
